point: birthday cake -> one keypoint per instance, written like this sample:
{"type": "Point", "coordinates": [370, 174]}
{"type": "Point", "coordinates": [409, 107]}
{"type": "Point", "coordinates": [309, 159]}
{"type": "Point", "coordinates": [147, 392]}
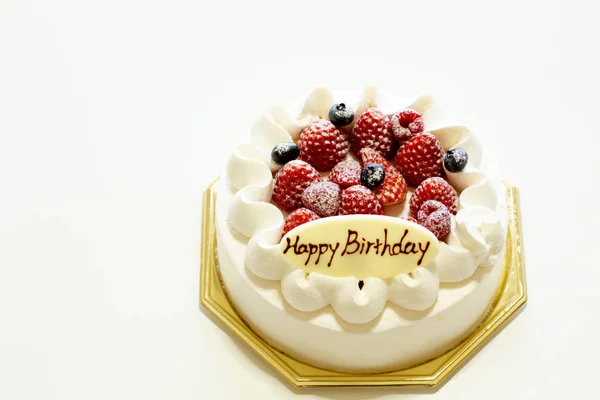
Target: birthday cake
{"type": "Point", "coordinates": [359, 231]}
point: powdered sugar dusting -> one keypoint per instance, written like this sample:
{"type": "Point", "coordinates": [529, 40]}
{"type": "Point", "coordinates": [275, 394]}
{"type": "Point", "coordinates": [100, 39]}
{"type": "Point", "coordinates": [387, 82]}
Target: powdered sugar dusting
{"type": "Point", "coordinates": [290, 183]}
{"type": "Point", "coordinates": [420, 158]}
{"type": "Point", "coordinates": [359, 200]}
{"type": "Point", "coordinates": [372, 130]}
{"type": "Point", "coordinates": [393, 189]}
{"type": "Point", "coordinates": [323, 198]}
{"type": "Point", "coordinates": [298, 217]}
{"type": "Point", "coordinates": [323, 145]}
{"type": "Point", "coordinates": [406, 124]}
{"type": "Point", "coordinates": [374, 177]}
{"type": "Point", "coordinates": [435, 188]}
{"type": "Point", "coordinates": [434, 216]}
{"type": "Point", "coordinates": [283, 148]}
{"type": "Point", "coordinates": [346, 173]}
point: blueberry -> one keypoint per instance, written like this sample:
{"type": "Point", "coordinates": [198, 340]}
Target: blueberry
{"type": "Point", "coordinates": [372, 175]}
{"type": "Point", "coordinates": [456, 160]}
{"type": "Point", "coordinates": [340, 115]}
{"type": "Point", "coordinates": [285, 152]}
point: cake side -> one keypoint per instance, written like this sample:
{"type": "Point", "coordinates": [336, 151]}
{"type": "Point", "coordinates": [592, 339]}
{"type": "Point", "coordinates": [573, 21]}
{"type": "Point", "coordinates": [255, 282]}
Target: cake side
{"type": "Point", "coordinates": [398, 338]}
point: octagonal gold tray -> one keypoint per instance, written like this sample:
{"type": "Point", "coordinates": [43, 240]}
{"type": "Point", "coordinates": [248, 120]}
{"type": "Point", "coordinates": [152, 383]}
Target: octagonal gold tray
{"type": "Point", "coordinates": [511, 295]}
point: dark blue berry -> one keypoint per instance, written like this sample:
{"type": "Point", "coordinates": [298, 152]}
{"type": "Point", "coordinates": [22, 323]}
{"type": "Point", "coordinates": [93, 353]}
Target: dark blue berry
{"type": "Point", "coordinates": [285, 152]}
{"type": "Point", "coordinates": [340, 115]}
{"type": "Point", "coordinates": [372, 175]}
{"type": "Point", "coordinates": [456, 160]}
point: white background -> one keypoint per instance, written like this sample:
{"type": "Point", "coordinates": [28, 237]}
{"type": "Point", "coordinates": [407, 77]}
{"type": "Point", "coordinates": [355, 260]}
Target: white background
{"type": "Point", "coordinates": [115, 115]}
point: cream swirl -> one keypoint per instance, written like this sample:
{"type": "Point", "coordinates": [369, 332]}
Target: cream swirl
{"type": "Point", "coordinates": [477, 235]}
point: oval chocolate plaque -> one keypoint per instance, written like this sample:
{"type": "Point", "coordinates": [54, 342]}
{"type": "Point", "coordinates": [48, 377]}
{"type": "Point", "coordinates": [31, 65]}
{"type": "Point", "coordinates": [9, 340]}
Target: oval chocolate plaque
{"type": "Point", "coordinates": [359, 245]}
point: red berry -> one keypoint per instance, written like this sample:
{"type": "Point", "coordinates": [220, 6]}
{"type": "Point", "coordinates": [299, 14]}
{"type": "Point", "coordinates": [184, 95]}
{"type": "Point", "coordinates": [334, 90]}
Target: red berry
{"type": "Point", "coordinates": [290, 182]}
{"type": "Point", "coordinates": [406, 124]}
{"type": "Point", "coordinates": [393, 188]}
{"type": "Point", "coordinates": [297, 218]}
{"type": "Point", "coordinates": [346, 173]}
{"type": "Point", "coordinates": [373, 130]}
{"type": "Point", "coordinates": [359, 200]}
{"type": "Point", "coordinates": [323, 145]}
{"type": "Point", "coordinates": [434, 189]}
{"type": "Point", "coordinates": [434, 216]}
{"type": "Point", "coordinates": [420, 158]}
{"type": "Point", "coordinates": [411, 219]}
{"type": "Point", "coordinates": [323, 198]}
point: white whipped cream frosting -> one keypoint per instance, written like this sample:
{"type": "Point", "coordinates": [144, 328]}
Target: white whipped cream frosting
{"type": "Point", "coordinates": [477, 236]}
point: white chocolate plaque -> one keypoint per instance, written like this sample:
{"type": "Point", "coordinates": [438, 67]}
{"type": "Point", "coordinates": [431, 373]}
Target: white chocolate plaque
{"type": "Point", "coordinates": [359, 245]}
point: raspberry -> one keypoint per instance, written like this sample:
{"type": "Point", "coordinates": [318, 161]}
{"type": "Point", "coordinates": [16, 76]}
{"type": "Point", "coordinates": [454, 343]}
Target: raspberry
{"type": "Point", "coordinates": [393, 188]}
{"type": "Point", "coordinates": [434, 216]}
{"type": "Point", "coordinates": [297, 218]}
{"type": "Point", "coordinates": [323, 198]}
{"type": "Point", "coordinates": [411, 219]}
{"type": "Point", "coordinates": [373, 130]}
{"type": "Point", "coordinates": [420, 158]}
{"type": "Point", "coordinates": [406, 124]}
{"type": "Point", "coordinates": [323, 145]}
{"type": "Point", "coordinates": [290, 183]}
{"type": "Point", "coordinates": [434, 189]}
{"type": "Point", "coordinates": [346, 173]}
{"type": "Point", "coordinates": [359, 200]}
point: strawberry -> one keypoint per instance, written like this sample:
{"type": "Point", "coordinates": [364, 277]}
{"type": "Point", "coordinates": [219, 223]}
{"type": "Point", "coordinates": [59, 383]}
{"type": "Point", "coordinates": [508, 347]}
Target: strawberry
{"type": "Point", "coordinates": [290, 182]}
{"type": "Point", "coordinates": [297, 218]}
{"type": "Point", "coordinates": [323, 198]}
{"type": "Point", "coordinates": [420, 158]}
{"type": "Point", "coordinates": [323, 145]}
{"type": "Point", "coordinates": [406, 124]}
{"type": "Point", "coordinates": [434, 216]}
{"type": "Point", "coordinates": [359, 200]}
{"type": "Point", "coordinates": [393, 188]}
{"type": "Point", "coordinates": [346, 173]}
{"type": "Point", "coordinates": [434, 189]}
{"type": "Point", "coordinates": [373, 130]}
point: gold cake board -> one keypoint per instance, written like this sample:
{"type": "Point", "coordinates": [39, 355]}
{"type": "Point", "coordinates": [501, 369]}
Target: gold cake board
{"type": "Point", "coordinates": [510, 297]}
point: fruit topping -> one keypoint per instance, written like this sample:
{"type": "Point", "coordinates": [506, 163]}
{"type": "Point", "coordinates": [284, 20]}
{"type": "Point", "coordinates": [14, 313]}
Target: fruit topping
{"type": "Point", "coordinates": [456, 160]}
{"type": "Point", "coordinates": [323, 145]}
{"type": "Point", "coordinates": [411, 219]}
{"type": "Point", "coordinates": [291, 181]}
{"type": "Point", "coordinates": [323, 198]}
{"type": "Point", "coordinates": [372, 175]}
{"type": "Point", "coordinates": [435, 216]}
{"type": "Point", "coordinates": [346, 173]}
{"type": "Point", "coordinates": [420, 158]}
{"type": "Point", "coordinates": [298, 217]}
{"type": "Point", "coordinates": [359, 200]}
{"type": "Point", "coordinates": [285, 152]}
{"type": "Point", "coordinates": [406, 124]}
{"type": "Point", "coordinates": [341, 115]}
{"type": "Point", "coordinates": [373, 130]}
{"type": "Point", "coordinates": [393, 188]}
{"type": "Point", "coordinates": [434, 189]}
